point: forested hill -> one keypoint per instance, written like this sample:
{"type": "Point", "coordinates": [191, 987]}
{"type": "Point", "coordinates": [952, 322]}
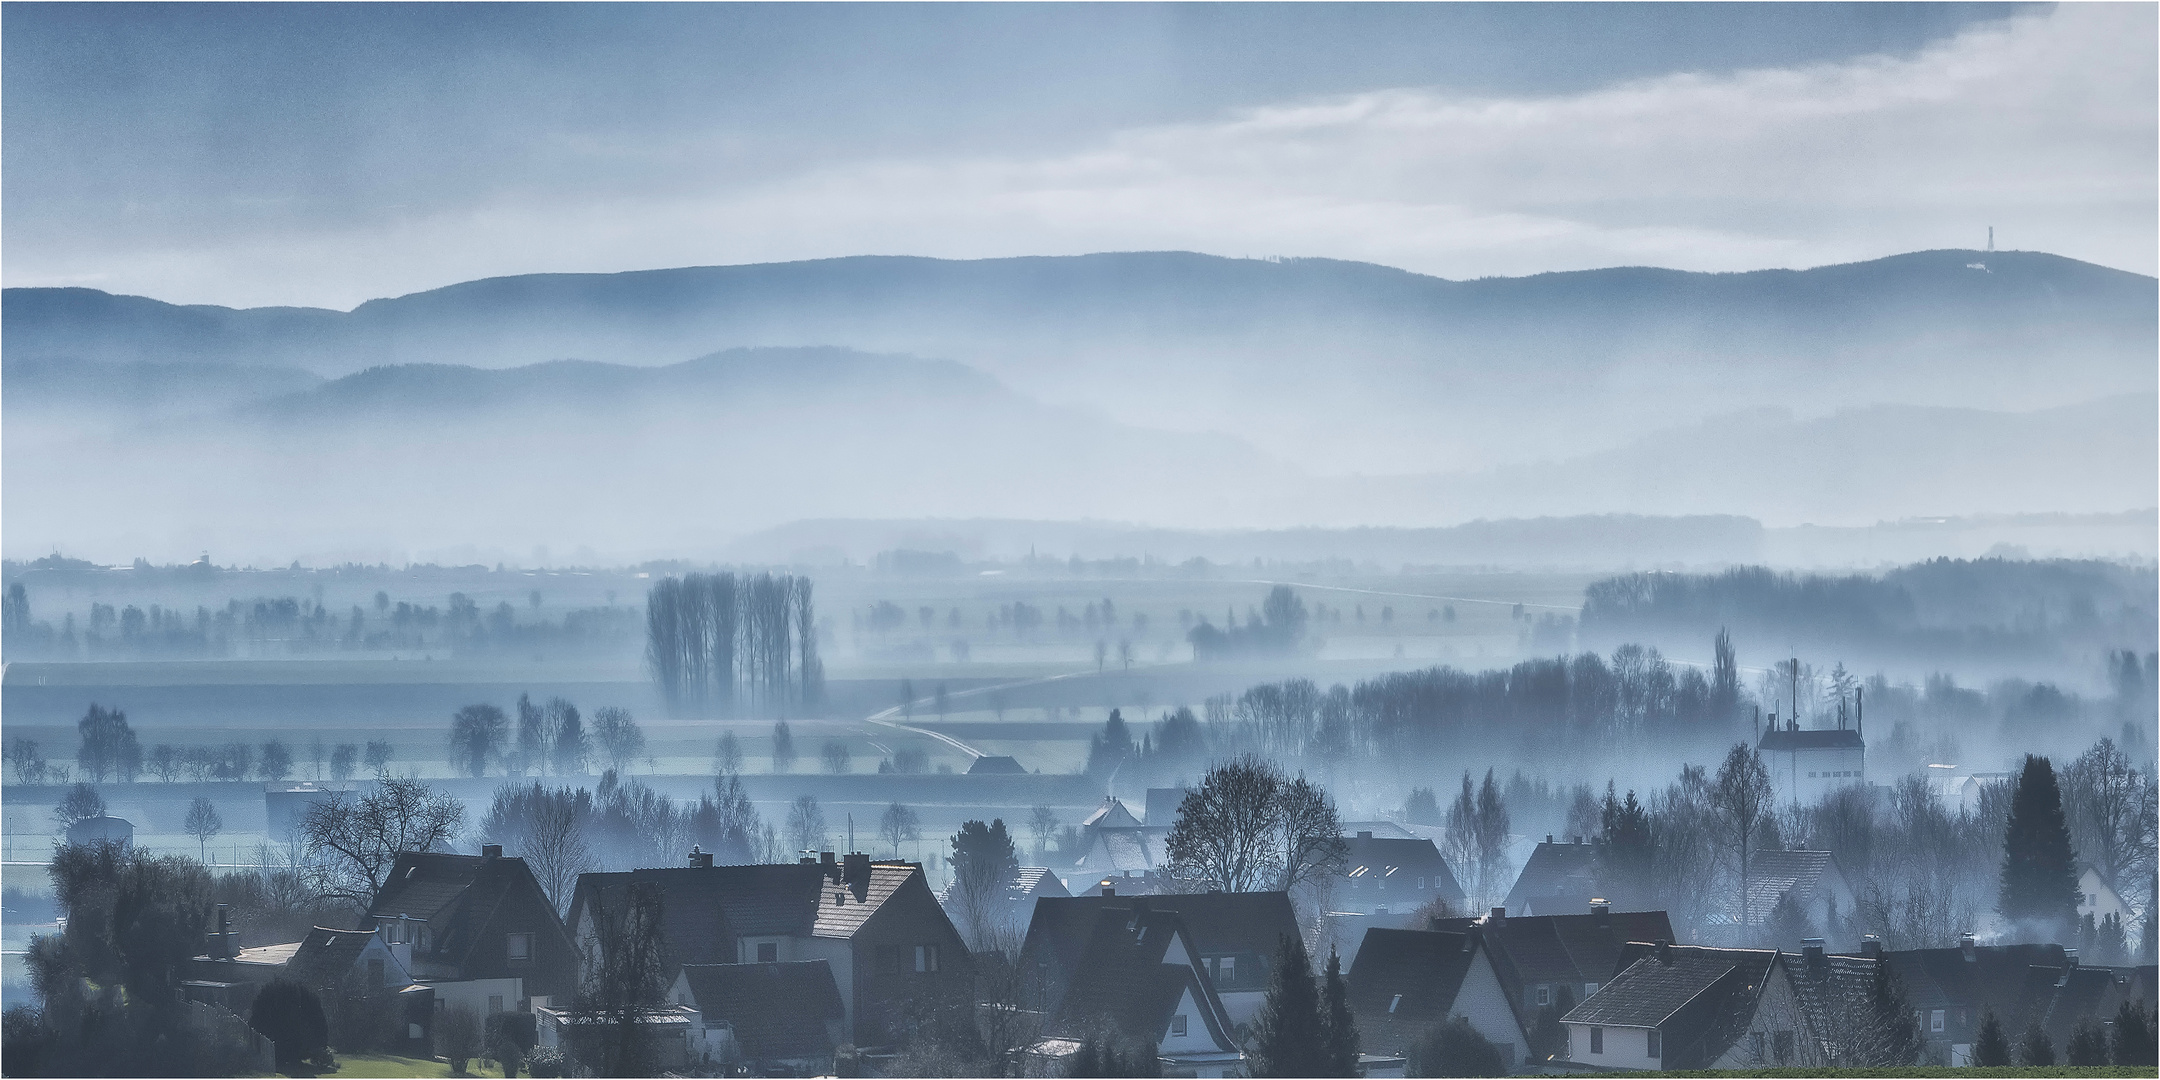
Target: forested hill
{"type": "Point", "coordinates": [659, 316]}
{"type": "Point", "coordinates": [1979, 610]}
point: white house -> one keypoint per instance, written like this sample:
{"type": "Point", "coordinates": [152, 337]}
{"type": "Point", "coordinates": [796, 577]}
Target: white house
{"type": "Point", "coordinates": [1404, 981]}
{"type": "Point", "coordinates": [1689, 1007]}
{"type": "Point", "coordinates": [1807, 764]}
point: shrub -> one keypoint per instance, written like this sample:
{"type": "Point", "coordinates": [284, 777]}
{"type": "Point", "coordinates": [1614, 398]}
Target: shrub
{"type": "Point", "coordinates": [291, 1017]}
{"type": "Point", "coordinates": [457, 1037]}
{"type": "Point", "coordinates": [545, 1062]}
{"type": "Point", "coordinates": [1454, 1048]}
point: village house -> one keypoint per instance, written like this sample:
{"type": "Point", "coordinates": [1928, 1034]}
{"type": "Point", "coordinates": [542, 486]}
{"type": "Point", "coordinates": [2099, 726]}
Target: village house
{"type": "Point", "coordinates": [1561, 879]}
{"type": "Point", "coordinates": [1138, 978]}
{"type": "Point", "coordinates": [477, 929]}
{"type": "Point", "coordinates": [780, 1019]}
{"type": "Point", "coordinates": [1953, 990]}
{"type": "Point", "coordinates": [891, 950]}
{"type": "Point", "coordinates": [1813, 879]}
{"type": "Point", "coordinates": [1402, 982]}
{"type": "Point", "coordinates": [1690, 1007]}
{"type": "Point", "coordinates": [1114, 843]}
{"type": "Point", "coordinates": [1235, 937]}
{"type": "Point", "coordinates": [1806, 764]}
{"type": "Point", "coordinates": [2097, 898]}
{"type": "Point", "coordinates": [1555, 959]}
{"type": "Point", "coordinates": [1385, 875]}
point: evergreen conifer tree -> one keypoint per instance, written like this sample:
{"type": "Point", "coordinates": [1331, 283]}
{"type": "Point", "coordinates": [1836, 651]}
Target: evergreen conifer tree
{"type": "Point", "coordinates": [2036, 1049]}
{"type": "Point", "coordinates": [1341, 1026]}
{"type": "Point", "coordinates": [1288, 1036]}
{"type": "Point", "coordinates": [1894, 1038]}
{"type": "Point", "coordinates": [2088, 1046]}
{"type": "Point", "coordinates": [1993, 1047]}
{"type": "Point", "coordinates": [2134, 1044]}
{"type": "Point", "coordinates": [2039, 873]}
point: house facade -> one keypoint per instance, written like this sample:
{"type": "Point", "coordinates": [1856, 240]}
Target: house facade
{"type": "Point", "coordinates": [1551, 960]}
{"type": "Point", "coordinates": [1139, 978]}
{"type": "Point", "coordinates": [1806, 764]}
{"type": "Point", "coordinates": [1385, 875]}
{"type": "Point", "coordinates": [1689, 1007]}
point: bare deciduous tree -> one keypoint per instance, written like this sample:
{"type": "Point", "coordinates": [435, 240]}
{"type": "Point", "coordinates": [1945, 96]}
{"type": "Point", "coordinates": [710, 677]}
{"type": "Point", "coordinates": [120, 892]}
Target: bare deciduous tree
{"type": "Point", "coordinates": [618, 734]}
{"type": "Point", "coordinates": [203, 822]}
{"type": "Point", "coordinates": [359, 838]}
{"type": "Point", "coordinates": [1742, 802]}
{"type": "Point", "coordinates": [1247, 827]}
{"type": "Point", "coordinates": [545, 828]}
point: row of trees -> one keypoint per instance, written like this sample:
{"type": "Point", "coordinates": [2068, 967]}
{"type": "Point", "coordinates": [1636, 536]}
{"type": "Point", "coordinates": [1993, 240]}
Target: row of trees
{"type": "Point", "coordinates": [111, 751]}
{"type": "Point", "coordinates": [722, 645]}
{"type": "Point", "coordinates": [287, 625]}
{"type": "Point", "coordinates": [549, 740]}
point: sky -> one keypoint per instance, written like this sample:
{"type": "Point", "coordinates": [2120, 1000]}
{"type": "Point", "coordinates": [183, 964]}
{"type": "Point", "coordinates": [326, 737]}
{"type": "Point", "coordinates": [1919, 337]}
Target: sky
{"type": "Point", "coordinates": [328, 154]}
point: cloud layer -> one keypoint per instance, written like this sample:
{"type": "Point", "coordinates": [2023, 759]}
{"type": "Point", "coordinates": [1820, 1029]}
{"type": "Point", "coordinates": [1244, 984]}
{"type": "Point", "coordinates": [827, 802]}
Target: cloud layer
{"type": "Point", "coordinates": [2043, 126]}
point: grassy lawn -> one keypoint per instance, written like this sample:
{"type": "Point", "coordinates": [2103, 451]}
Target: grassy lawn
{"type": "Point", "coordinates": [391, 1065]}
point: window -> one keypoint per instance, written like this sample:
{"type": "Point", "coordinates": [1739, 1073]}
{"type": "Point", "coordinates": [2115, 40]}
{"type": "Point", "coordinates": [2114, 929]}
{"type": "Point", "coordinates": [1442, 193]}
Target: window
{"type": "Point", "coordinates": [1394, 1001]}
{"type": "Point", "coordinates": [1177, 1024]}
{"type": "Point", "coordinates": [495, 1004]}
{"type": "Point", "coordinates": [1935, 1019]}
{"type": "Point", "coordinates": [926, 958]}
{"type": "Point", "coordinates": [1597, 1040]}
{"type": "Point", "coordinates": [768, 952]}
{"type": "Point", "coordinates": [1589, 989]}
{"type": "Point", "coordinates": [1544, 995]}
{"type": "Point", "coordinates": [521, 946]}
{"type": "Point", "coordinates": [1229, 969]}
{"type": "Point", "coordinates": [1655, 1049]}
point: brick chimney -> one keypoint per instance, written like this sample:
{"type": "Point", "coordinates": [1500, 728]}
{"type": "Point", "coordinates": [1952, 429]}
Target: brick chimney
{"type": "Point", "coordinates": [1967, 946]}
{"type": "Point", "coordinates": [700, 858]}
{"type": "Point", "coordinates": [856, 873]}
{"type": "Point", "coordinates": [1871, 946]}
{"type": "Point", "coordinates": [491, 851]}
{"type": "Point", "coordinates": [222, 943]}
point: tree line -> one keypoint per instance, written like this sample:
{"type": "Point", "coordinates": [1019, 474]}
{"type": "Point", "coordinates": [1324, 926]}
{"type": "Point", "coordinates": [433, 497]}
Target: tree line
{"type": "Point", "coordinates": [722, 645]}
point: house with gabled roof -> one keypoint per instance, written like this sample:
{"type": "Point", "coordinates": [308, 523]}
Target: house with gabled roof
{"type": "Point", "coordinates": [1402, 982]}
{"type": "Point", "coordinates": [2098, 899]}
{"type": "Point", "coordinates": [1560, 879]}
{"type": "Point", "coordinates": [363, 958]}
{"type": "Point", "coordinates": [1235, 935]}
{"type": "Point", "coordinates": [1812, 878]}
{"type": "Point", "coordinates": [1391, 875]}
{"type": "Point", "coordinates": [475, 919]}
{"type": "Point", "coordinates": [1540, 956]}
{"type": "Point", "coordinates": [892, 951]}
{"type": "Point", "coordinates": [1139, 978]}
{"type": "Point", "coordinates": [1953, 990]}
{"type": "Point", "coordinates": [1689, 1007]}
{"type": "Point", "coordinates": [780, 1019]}
{"type": "Point", "coordinates": [1012, 904]}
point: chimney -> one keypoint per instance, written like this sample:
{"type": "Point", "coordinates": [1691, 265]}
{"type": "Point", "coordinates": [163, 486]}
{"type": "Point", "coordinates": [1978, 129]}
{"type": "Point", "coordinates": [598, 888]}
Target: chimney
{"type": "Point", "coordinates": [1600, 907]}
{"type": "Point", "coordinates": [1548, 838]}
{"type": "Point", "coordinates": [1364, 834]}
{"type": "Point", "coordinates": [1811, 950]}
{"type": "Point", "coordinates": [807, 861]}
{"type": "Point", "coordinates": [1498, 917]}
{"type": "Point", "coordinates": [1109, 888]}
{"type": "Point", "coordinates": [1871, 946]}
{"type": "Point", "coordinates": [1966, 946]}
{"type": "Point", "coordinates": [221, 944]}
{"type": "Point", "coordinates": [1664, 951]}
{"type": "Point", "coordinates": [2070, 959]}
{"type": "Point", "coordinates": [856, 872]}
{"type": "Point", "coordinates": [491, 851]}
{"type": "Point", "coordinates": [700, 858]}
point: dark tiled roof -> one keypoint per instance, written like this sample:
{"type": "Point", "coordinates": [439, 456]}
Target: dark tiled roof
{"type": "Point", "coordinates": [1993, 979]}
{"type": "Point", "coordinates": [1812, 739]}
{"type": "Point", "coordinates": [422, 883]}
{"type": "Point", "coordinates": [990, 765]}
{"type": "Point", "coordinates": [1833, 990]}
{"type": "Point", "coordinates": [778, 1011]}
{"type": "Point", "coordinates": [1772, 874]}
{"type": "Point", "coordinates": [1112, 814]}
{"type": "Point", "coordinates": [704, 909]}
{"type": "Point", "coordinates": [1560, 876]}
{"type": "Point", "coordinates": [456, 895]}
{"type": "Point", "coordinates": [1245, 925]}
{"type": "Point", "coordinates": [1701, 999]}
{"type": "Point", "coordinates": [1561, 948]}
{"type": "Point", "coordinates": [326, 955]}
{"type": "Point", "coordinates": [1376, 857]}
{"type": "Point", "coordinates": [1124, 980]}
{"type": "Point", "coordinates": [1403, 981]}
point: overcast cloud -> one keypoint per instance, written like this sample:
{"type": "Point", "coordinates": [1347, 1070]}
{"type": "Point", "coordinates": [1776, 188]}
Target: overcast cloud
{"type": "Point", "coordinates": [2042, 125]}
